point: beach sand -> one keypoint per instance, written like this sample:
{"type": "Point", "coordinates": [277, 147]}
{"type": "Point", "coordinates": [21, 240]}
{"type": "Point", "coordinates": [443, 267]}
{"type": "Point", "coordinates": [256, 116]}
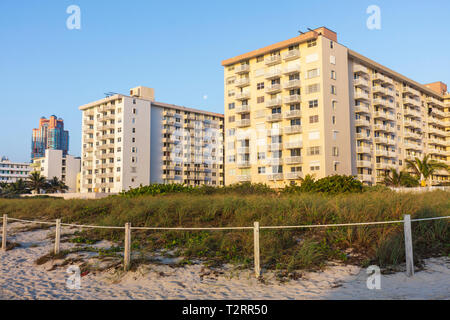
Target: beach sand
{"type": "Point", "coordinates": [21, 278]}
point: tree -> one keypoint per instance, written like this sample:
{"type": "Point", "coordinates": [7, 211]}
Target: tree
{"type": "Point", "coordinates": [18, 187]}
{"type": "Point", "coordinates": [425, 168]}
{"type": "Point", "coordinates": [55, 185]}
{"type": "Point", "coordinates": [394, 178]}
{"type": "Point", "coordinates": [36, 182]}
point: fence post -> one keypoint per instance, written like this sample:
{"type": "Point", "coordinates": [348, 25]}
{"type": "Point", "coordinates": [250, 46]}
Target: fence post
{"type": "Point", "coordinates": [256, 248]}
{"type": "Point", "coordinates": [57, 235]}
{"type": "Point", "coordinates": [408, 246]}
{"type": "Point", "coordinates": [126, 257]}
{"type": "Point", "coordinates": [5, 222]}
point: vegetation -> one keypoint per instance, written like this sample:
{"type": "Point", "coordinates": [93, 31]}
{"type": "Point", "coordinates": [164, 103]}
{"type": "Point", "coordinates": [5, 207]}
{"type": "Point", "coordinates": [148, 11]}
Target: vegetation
{"type": "Point", "coordinates": [425, 168]}
{"type": "Point", "coordinates": [280, 249]}
{"type": "Point", "coordinates": [397, 179]}
{"type": "Point", "coordinates": [36, 183]}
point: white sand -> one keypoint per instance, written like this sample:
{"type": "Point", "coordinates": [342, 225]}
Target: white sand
{"type": "Point", "coordinates": [21, 278]}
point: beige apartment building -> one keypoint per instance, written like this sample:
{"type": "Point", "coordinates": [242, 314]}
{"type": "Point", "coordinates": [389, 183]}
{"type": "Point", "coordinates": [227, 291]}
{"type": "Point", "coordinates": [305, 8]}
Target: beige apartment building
{"type": "Point", "coordinates": [309, 105]}
{"type": "Point", "coordinates": [133, 140]}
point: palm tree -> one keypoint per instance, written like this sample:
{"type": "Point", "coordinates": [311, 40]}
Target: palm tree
{"type": "Point", "coordinates": [395, 180]}
{"type": "Point", "coordinates": [18, 187]}
{"type": "Point", "coordinates": [55, 185]}
{"type": "Point", "coordinates": [425, 168]}
{"type": "Point", "coordinates": [36, 182]}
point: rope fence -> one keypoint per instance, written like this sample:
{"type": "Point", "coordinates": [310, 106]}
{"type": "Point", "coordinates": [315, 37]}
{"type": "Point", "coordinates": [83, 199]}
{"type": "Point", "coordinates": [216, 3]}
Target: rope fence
{"type": "Point", "coordinates": [256, 228]}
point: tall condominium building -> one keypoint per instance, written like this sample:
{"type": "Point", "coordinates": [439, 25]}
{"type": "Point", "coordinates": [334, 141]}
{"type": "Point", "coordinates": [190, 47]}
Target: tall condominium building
{"type": "Point", "coordinates": [309, 105]}
{"type": "Point", "coordinates": [49, 135]}
{"type": "Point", "coordinates": [13, 171]}
{"type": "Point", "coordinates": [56, 164]}
{"type": "Point", "coordinates": [133, 140]}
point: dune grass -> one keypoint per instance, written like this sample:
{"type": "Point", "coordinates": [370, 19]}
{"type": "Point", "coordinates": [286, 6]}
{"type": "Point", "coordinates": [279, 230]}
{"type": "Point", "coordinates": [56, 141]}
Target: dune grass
{"type": "Point", "coordinates": [280, 249]}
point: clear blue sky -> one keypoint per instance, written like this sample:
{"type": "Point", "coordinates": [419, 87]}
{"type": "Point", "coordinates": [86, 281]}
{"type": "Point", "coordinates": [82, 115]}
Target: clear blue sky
{"type": "Point", "coordinates": [177, 46]}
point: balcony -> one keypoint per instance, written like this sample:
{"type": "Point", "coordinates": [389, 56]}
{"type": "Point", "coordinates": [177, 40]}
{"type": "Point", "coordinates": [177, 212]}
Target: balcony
{"type": "Point", "coordinates": [295, 98]}
{"type": "Point", "coordinates": [362, 108]}
{"type": "Point", "coordinates": [275, 161]}
{"type": "Point", "coordinates": [243, 109]}
{"type": "Point", "coordinates": [274, 132]}
{"type": "Point", "coordinates": [411, 113]}
{"type": "Point", "coordinates": [365, 177]}
{"type": "Point", "coordinates": [292, 69]}
{"type": "Point", "coordinates": [274, 102]}
{"type": "Point", "coordinates": [243, 68]}
{"type": "Point", "coordinates": [362, 136]}
{"type": "Point", "coordinates": [293, 129]}
{"type": "Point", "coordinates": [412, 135]}
{"type": "Point", "coordinates": [293, 145]}
{"type": "Point", "coordinates": [411, 91]}
{"type": "Point", "coordinates": [243, 164]}
{"type": "Point", "coordinates": [436, 141]}
{"type": "Point", "coordinates": [293, 160]}
{"type": "Point", "coordinates": [291, 55]}
{"type": "Point", "coordinates": [274, 88]}
{"type": "Point", "coordinates": [272, 74]}
{"type": "Point", "coordinates": [274, 117]}
{"type": "Point", "coordinates": [407, 123]}
{"type": "Point", "coordinates": [381, 153]}
{"type": "Point", "coordinates": [292, 114]}
{"type": "Point", "coordinates": [244, 178]}
{"type": "Point", "coordinates": [384, 115]}
{"type": "Point", "coordinates": [366, 150]}
{"type": "Point", "coordinates": [381, 127]}
{"type": "Point", "coordinates": [408, 145]}
{"type": "Point", "coordinates": [435, 102]}
{"type": "Point", "coordinates": [437, 131]}
{"type": "Point", "coordinates": [243, 150]}
{"type": "Point", "coordinates": [357, 68]}
{"type": "Point", "coordinates": [272, 60]}
{"type": "Point", "coordinates": [411, 102]}
{"type": "Point", "coordinates": [275, 176]}
{"type": "Point", "coordinates": [275, 147]}
{"type": "Point", "coordinates": [243, 123]}
{"type": "Point", "coordinates": [438, 113]}
{"type": "Point", "coordinates": [242, 96]}
{"type": "Point", "coordinates": [361, 82]}
{"type": "Point", "coordinates": [359, 95]}
{"type": "Point", "coordinates": [364, 164]}
{"type": "Point", "coordinates": [382, 78]}
{"type": "Point", "coordinates": [243, 82]}
{"type": "Point", "coordinates": [381, 140]}
{"type": "Point", "coordinates": [383, 166]}
{"type": "Point", "coordinates": [293, 175]}
{"type": "Point", "coordinates": [292, 84]}
{"type": "Point", "coordinates": [362, 123]}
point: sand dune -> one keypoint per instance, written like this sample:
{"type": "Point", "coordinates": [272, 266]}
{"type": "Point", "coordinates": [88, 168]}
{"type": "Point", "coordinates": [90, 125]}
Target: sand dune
{"type": "Point", "coordinates": [21, 278]}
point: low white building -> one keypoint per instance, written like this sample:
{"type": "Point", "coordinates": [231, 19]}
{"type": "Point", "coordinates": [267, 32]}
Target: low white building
{"type": "Point", "coordinates": [10, 172]}
{"type": "Point", "coordinates": [55, 164]}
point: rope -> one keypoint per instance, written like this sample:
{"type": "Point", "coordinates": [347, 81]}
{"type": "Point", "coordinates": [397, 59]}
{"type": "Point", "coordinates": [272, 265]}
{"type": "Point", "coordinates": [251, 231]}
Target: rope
{"type": "Point", "coordinates": [233, 228]}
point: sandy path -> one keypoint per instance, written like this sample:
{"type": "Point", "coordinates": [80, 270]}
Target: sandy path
{"type": "Point", "coordinates": [20, 278]}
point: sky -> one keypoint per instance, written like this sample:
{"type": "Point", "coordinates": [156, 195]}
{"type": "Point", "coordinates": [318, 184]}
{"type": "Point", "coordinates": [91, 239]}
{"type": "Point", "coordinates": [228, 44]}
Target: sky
{"type": "Point", "coordinates": [176, 47]}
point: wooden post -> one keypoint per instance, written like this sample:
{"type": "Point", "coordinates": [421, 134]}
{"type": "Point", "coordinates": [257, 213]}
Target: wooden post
{"type": "Point", "coordinates": [57, 235]}
{"type": "Point", "coordinates": [408, 246]}
{"type": "Point", "coordinates": [126, 257]}
{"type": "Point", "coordinates": [256, 248]}
{"type": "Point", "coordinates": [5, 222]}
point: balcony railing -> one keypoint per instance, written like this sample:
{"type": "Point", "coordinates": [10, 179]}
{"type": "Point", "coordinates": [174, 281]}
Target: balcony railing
{"type": "Point", "coordinates": [361, 96]}
{"type": "Point", "coordinates": [364, 164]}
{"type": "Point", "coordinates": [272, 60]}
{"type": "Point", "coordinates": [243, 123]}
{"type": "Point", "coordinates": [292, 114]}
{"type": "Point", "coordinates": [292, 69]}
{"type": "Point", "coordinates": [291, 55]}
{"type": "Point", "coordinates": [242, 95]}
{"type": "Point", "coordinates": [273, 88]}
{"type": "Point", "coordinates": [296, 98]}
{"type": "Point", "coordinates": [357, 68]}
{"type": "Point", "coordinates": [292, 84]}
{"type": "Point", "coordinates": [243, 68]}
{"type": "Point", "coordinates": [293, 160]}
{"type": "Point", "coordinates": [293, 129]}
{"type": "Point", "coordinates": [367, 150]}
{"type": "Point", "coordinates": [274, 117]}
{"type": "Point", "coordinates": [293, 175]}
{"type": "Point", "coordinates": [274, 102]}
{"type": "Point", "coordinates": [293, 145]}
{"type": "Point", "coordinates": [243, 109]}
{"type": "Point", "coordinates": [362, 123]}
{"type": "Point", "coordinates": [275, 176]}
{"type": "Point", "coordinates": [276, 73]}
{"type": "Point", "coordinates": [243, 82]}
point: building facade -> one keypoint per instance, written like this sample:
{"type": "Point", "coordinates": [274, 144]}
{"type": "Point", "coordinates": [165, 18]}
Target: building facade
{"type": "Point", "coordinates": [11, 172]}
{"type": "Point", "coordinates": [133, 140]}
{"type": "Point", "coordinates": [56, 164]}
{"type": "Point", "coordinates": [49, 135]}
{"type": "Point", "coordinates": [309, 105]}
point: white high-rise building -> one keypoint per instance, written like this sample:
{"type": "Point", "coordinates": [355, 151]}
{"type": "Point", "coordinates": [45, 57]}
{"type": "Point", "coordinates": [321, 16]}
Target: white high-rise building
{"type": "Point", "coordinates": [133, 140]}
{"type": "Point", "coordinates": [63, 167]}
{"type": "Point", "coordinates": [11, 172]}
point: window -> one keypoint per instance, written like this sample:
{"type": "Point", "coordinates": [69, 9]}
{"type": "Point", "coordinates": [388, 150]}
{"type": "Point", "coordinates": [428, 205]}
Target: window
{"type": "Point", "coordinates": [314, 151]}
{"type": "Point", "coordinates": [333, 89]}
{"type": "Point", "coordinates": [313, 88]}
{"type": "Point", "coordinates": [133, 130]}
{"type": "Point", "coordinates": [313, 73]}
{"type": "Point", "coordinates": [261, 170]}
{"type": "Point", "coordinates": [312, 43]}
{"type": "Point", "coordinates": [333, 74]}
{"type": "Point", "coordinates": [331, 44]}
{"type": "Point", "coordinates": [335, 152]}
{"type": "Point", "coordinates": [260, 58]}
{"type": "Point", "coordinates": [261, 155]}
{"type": "Point", "coordinates": [334, 105]}
{"type": "Point", "coordinates": [313, 103]}
{"type": "Point", "coordinates": [231, 106]}
{"type": "Point", "coordinates": [314, 119]}
{"type": "Point", "coordinates": [231, 119]}
{"type": "Point", "coordinates": [333, 119]}
{"type": "Point", "coordinates": [332, 59]}
{"type": "Point", "coordinates": [260, 99]}
{"type": "Point", "coordinates": [260, 86]}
